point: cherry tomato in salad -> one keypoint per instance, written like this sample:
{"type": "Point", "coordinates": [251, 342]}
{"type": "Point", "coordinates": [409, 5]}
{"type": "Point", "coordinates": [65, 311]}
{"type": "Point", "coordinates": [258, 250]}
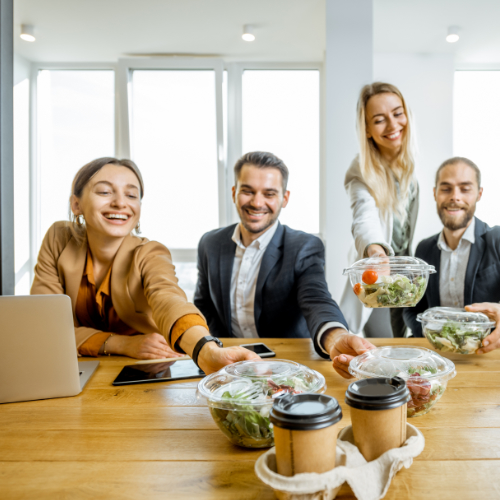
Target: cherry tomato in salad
{"type": "Point", "coordinates": [370, 277]}
{"type": "Point", "coordinates": [357, 288]}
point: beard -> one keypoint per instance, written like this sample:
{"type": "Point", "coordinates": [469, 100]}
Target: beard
{"type": "Point", "coordinates": [258, 228]}
{"type": "Point", "coordinates": [454, 223]}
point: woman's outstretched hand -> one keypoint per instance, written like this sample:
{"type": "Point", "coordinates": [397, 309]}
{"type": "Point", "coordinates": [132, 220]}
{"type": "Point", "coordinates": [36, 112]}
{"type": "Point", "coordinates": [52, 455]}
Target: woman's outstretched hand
{"type": "Point", "coordinates": [149, 346]}
{"type": "Point", "coordinates": [376, 251]}
{"type": "Point", "coordinates": [212, 358]}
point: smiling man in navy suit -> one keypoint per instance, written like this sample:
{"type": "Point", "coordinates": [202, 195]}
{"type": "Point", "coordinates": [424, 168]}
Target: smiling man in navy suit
{"type": "Point", "coordinates": [466, 253]}
{"type": "Point", "coordinates": [260, 278]}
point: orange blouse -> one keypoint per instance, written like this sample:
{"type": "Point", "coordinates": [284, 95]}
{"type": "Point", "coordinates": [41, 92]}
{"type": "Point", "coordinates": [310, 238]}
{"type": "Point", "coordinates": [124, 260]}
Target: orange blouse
{"type": "Point", "coordinates": [94, 309]}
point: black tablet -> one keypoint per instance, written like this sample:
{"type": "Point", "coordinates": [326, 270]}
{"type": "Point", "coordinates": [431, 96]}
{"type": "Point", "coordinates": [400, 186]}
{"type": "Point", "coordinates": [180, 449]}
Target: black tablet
{"type": "Point", "coordinates": [158, 372]}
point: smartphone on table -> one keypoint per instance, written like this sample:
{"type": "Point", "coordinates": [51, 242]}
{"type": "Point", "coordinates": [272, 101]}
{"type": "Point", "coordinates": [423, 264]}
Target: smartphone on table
{"type": "Point", "coordinates": [260, 349]}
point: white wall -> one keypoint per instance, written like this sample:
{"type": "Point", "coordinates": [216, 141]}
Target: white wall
{"type": "Point", "coordinates": [21, 174]}
{"type": "Point", "coordinates": [426, 81]}
{"type": "Point", "coordinates": [348, 66]}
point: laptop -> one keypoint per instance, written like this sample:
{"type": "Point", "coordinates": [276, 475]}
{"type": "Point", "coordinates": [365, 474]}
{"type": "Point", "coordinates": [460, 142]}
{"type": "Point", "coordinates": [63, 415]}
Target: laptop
{"type": "Point", "coordinates": [38, 356]}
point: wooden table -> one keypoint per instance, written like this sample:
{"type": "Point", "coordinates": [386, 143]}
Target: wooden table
{"type": "Point", "coordinates": [157, 441]}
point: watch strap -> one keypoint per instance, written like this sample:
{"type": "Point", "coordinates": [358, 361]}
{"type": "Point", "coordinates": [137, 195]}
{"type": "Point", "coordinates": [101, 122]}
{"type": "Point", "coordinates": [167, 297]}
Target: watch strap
{"type": "Point", "coordinates": [200, 344]}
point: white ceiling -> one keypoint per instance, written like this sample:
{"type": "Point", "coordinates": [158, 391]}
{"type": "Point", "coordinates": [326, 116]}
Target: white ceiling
{"type": "Point", "coordinates": [104, 30]}
{"type": "Point", "coordinates": [286, 30]}
{"type": "Point", "coordinates": [421, 26]}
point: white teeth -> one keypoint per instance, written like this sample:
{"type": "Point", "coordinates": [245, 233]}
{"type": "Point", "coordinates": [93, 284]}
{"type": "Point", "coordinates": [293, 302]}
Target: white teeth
{"type": "Point", "coordinates": [116, 216]}
{"type": "Point", "coordinates": [393, 136]}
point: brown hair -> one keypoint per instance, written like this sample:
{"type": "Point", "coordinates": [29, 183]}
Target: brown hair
{"type": "Point", "coordinates": [460, 159]}
{"type": "Point", "coordinates": [83, 177]}
{"type": "Point", "coordinates": [261, 159]}
{"type": "Point", "coordinates": [378, 176]}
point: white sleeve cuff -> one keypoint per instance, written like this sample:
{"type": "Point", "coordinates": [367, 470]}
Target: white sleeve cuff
{"type": "Point", "coordinates": [323, 329]}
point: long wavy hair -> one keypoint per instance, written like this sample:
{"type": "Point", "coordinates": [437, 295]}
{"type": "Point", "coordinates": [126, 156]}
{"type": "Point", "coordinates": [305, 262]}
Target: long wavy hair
{"type": "Point", "coordinates": [82, 178]}
{"type": "Point", "coordinates": [379, 176]}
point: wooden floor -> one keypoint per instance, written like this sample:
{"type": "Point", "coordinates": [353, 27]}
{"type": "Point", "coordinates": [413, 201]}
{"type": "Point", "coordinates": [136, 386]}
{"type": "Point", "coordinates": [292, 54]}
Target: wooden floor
{"type": "Point", "coordinates": [158, 441]}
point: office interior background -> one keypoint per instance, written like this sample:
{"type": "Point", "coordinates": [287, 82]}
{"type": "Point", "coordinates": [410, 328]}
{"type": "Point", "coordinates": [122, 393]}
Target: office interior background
{"type": "Point", "coordinates": [172, 85]}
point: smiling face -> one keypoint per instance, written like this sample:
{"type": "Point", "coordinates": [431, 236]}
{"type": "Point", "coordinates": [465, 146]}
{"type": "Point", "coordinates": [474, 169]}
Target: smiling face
{"type": "Point", "coordinates": [259, 198]}
{"type": "Point", "coordinates": [456, 195]}
{"type": "Point", "coordinates": [110, 202]}
{"type": "Point", "coordinates": [386, 122]}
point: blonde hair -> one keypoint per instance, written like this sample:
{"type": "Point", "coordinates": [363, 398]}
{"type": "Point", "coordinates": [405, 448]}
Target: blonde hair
{"type": "Point", "coordinates": [82, 178]}
{"type": "Point", "coordinates": [379, 176]}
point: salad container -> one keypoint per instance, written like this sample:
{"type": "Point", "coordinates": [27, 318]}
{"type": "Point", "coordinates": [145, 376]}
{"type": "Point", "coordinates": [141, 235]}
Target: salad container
{"type": "Point", "coordinates": [425, 372]}
{"type": "Point", "coordinates": [455, 330]}
{"type": "Point", "coordinates": [240, 396]}
{"type": "Point", "coordinates": [389, 281]}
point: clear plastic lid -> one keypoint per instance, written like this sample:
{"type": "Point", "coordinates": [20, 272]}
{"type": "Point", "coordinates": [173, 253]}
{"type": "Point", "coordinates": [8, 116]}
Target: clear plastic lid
{"type": "Point", "coordinates": [259, 382]}
{"type": "Point", "coordinates": [441, 315]}
{"type": "Point", "coordinates": [401, 361]}
{"type": "Point", "coordinates": [396, 264]}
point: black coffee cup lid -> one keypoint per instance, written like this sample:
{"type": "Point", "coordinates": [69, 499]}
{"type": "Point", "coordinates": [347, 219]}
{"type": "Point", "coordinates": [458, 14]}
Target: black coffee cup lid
{"type": "Point", "coordinates": [305, 412]}
{"type": "Point", "coordinates": [377, 393]}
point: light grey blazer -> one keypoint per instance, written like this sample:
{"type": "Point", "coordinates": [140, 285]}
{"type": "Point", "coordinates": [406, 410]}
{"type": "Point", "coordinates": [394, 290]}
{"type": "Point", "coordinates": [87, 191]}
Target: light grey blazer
{"type": "Point", "coordinates": [369, 226]}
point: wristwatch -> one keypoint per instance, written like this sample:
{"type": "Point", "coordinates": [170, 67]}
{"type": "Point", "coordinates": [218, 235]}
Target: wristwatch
{"type": "Point", "coordinates": [200, 344]}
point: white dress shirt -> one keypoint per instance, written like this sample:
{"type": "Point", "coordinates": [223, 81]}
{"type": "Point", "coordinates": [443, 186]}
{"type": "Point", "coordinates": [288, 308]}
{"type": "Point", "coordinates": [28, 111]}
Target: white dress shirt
{"type": "Point", "coordinates": [246, 267]}
{"type": "Point", "coordinates": [453, 266]}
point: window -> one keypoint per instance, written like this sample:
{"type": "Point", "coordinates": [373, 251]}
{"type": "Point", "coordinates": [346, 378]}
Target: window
{"type": "Point", "coordinates": [75, 126]}
{"type": "Point", "coordinates": [476, 129]}
{"type": "Point", "coordinates": [281, 114]}
{"type": "Point", "coordinates": [174, 143]}
{"type": "Point", "coordinates": [178, 120]}
{"type": "Point", "coordinates": [22, 187]}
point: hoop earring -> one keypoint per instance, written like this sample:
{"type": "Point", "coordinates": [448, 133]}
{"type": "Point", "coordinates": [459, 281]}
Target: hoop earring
{"type": "Point", "coordinates": [138, 228]}
{"type": "Point", "coordinates": [80, 221]}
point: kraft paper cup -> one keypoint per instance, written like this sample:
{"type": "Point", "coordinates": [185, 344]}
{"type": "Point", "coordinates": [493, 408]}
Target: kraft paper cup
{"type": "Point", "coordinates": [378, 414]}
{"type": "Point", "coordinates": [305, 433]}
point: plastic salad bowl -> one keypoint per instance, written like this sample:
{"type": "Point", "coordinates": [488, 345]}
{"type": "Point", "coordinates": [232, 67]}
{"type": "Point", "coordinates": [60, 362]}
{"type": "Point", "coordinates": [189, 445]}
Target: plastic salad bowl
{"type": "Point", "coordinates": [426, 373]}
{"type": "Point", "coordinates": [240, 396]}
{"type": "Point", "coordinates": [389, 281]}
{"type": "Point", "coordinates": [450, 329]}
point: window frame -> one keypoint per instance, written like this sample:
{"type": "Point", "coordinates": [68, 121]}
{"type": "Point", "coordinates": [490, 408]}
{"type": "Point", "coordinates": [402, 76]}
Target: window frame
{"type": "Point", "coordinates": [235, 120]}
{"type": "Point", "coordinates": [123, 69]}
{"type": "Point", "coordinates": [35, 199]}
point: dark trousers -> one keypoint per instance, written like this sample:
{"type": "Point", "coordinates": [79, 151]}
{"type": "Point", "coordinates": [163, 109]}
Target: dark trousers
{"type": "Point", "coordinates": [385, 323]}
{"type": "Point", "coordinates": [397, 322]}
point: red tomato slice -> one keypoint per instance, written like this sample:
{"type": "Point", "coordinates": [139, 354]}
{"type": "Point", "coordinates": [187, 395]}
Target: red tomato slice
{"type": "Point", "coordinates": [357, 288]}
{"type": "Point", "coordinates": [370, 277]}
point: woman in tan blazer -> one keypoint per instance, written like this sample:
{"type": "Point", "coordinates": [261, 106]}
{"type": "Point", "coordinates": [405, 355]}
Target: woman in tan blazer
{"type": "Point", "coordinates": [123, 288]}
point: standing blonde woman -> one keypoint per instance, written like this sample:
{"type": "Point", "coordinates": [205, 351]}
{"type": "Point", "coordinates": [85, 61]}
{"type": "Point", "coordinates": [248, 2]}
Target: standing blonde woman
{"type": "Point", "coordinates": [123, 288]}
{"type": "Point", "coordinates": [383, 192]}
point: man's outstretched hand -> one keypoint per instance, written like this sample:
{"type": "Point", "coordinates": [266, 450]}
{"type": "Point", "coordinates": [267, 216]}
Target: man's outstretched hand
{"type": "Point", "coordinates": [492, 310]}
{"type": "Point", "coordinates": [343, 347]}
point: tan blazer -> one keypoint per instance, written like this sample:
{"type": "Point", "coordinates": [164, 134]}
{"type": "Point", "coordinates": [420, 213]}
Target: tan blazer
{"type": "Point", "coordinates": [144, 287]}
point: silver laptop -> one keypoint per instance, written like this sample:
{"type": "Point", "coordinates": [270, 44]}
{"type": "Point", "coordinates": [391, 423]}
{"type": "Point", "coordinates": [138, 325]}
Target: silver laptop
{"type": "Point", "coordinates": [38, 356]}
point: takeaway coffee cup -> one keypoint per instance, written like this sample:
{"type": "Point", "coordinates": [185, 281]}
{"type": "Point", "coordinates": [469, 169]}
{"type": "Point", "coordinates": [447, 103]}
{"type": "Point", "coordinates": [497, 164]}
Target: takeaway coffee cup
{"type": "Point", "coordinates": [305, 433]}
{"type": "Point", "coordinates": [378, 414]}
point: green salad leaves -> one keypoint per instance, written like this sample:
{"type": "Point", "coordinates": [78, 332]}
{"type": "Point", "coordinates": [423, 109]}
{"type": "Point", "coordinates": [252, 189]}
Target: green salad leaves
{"type": "Point", "coordinates": [393, 291]}
{"type": "Point", "coordinates": [244, 425]}
{"type": "Point", "coordinates": [243, 416]}
{"type": "Point", "coordinates": [457, 337]}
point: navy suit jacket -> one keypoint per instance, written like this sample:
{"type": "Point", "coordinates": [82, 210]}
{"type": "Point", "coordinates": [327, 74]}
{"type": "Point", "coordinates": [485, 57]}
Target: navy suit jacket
{"type": "Point", "coordinates": [291, 298]}
{"type": "Point", "coordinates": [482, 277]}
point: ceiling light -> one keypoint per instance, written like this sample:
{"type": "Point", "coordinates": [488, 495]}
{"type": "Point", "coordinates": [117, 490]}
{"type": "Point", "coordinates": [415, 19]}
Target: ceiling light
{"type": "Point", "coordinates": [28, 32]}
{"type": "Point", "coordinates": [248, 35]}
{"type": "Point", "coordinates": [453, 34]}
